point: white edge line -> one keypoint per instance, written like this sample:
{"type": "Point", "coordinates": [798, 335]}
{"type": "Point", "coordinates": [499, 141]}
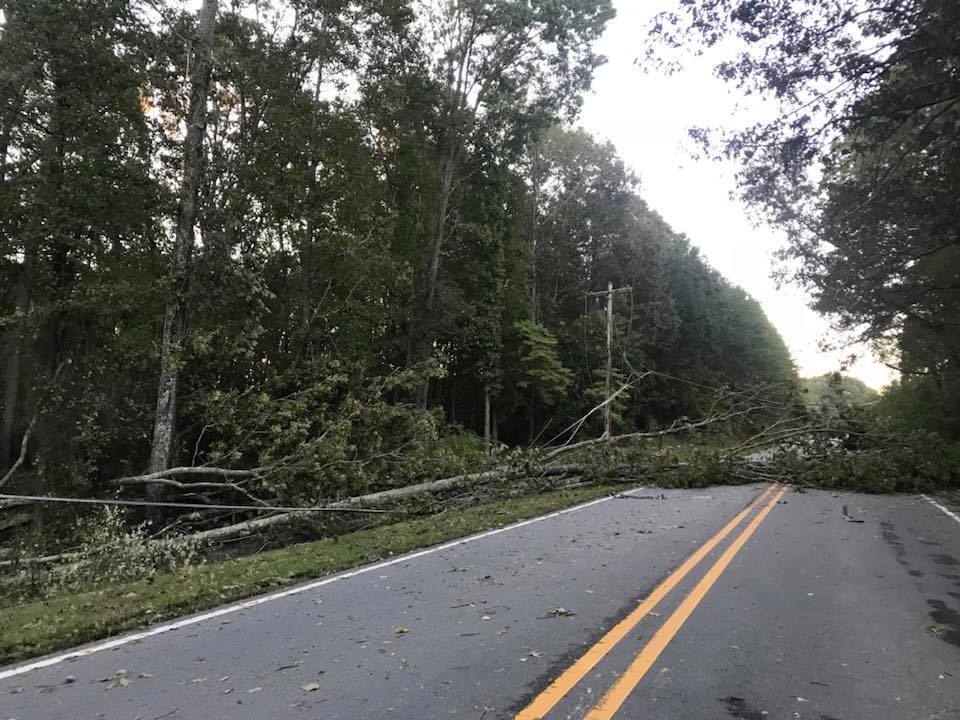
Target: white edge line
{"type": "Point", "coordinates": [940, 507]}
{"type": "Point", "coordinates": [246, 604]}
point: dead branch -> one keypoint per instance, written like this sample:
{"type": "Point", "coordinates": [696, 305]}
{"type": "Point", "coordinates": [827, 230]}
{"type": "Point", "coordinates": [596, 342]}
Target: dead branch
{"type": "Point", "coordinates": [574, 427]}
{"type": "Point", "coordinates": [23, 452]}
{"type": "Point", "coordinates": [25, 441]}
{"type": "Point", "coordinates": [762, 434]}
{"type": "Point", "coordinates": [203, 485]}
{"type": "Point", "coordinates": [189, 470]}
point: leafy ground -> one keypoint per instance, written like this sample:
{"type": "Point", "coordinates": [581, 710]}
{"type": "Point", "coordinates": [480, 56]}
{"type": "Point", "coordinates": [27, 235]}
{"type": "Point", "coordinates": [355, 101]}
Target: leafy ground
{"type": "Point", "coordinates": [45, 626]}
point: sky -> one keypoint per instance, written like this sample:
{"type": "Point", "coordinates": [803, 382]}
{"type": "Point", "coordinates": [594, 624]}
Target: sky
{"type": "Point", "coordinates": [646, 116]}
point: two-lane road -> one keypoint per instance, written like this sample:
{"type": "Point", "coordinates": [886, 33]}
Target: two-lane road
{"type": "Point", "coordinates": [733, 602]}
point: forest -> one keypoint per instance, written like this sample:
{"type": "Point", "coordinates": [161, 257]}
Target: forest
{"type": "Point", "coordinates": [285, 254]}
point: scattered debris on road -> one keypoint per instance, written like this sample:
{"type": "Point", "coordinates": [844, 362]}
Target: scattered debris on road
{"type": "Point", "coordinates": [848, 517]}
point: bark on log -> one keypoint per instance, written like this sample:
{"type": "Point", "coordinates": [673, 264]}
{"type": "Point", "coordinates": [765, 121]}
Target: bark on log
{"type": "Point", "coordinates": [371, 500]}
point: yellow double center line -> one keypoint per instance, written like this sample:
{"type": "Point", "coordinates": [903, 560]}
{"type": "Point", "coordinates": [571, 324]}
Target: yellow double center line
{"type": "Point", "coordinates": [625, 684]}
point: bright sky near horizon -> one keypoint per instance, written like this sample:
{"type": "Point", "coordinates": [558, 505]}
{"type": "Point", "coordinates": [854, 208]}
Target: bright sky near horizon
{"type": "Point", "coordinates": [646, 116]}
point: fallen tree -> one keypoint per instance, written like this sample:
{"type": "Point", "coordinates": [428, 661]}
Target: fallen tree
{"type": "Point", "coordinates": [677, 427]}
{"type": "Point", "coordinates": [374, 500]}
{"type": "Point", "coordinates": [395, 495]}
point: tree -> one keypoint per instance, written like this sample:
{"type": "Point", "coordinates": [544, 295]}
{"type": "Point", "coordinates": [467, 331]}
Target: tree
{"type": "Point", "coordinates": [174, 320]}
{"type": "Point", "coordinates": [78, 201]}
{"type": "Point", "coordinates": [539, 367]}
{"type": "Point", "coordinates": [503, 69]}
{"type": "Point", "coordinates": [287, 240]}
{"type": "Point", "coordinates": [860, 166]}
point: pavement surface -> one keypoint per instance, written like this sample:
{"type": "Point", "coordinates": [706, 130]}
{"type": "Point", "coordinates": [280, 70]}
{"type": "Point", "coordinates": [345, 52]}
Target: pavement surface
{"type": "Point", "coordinates": [816, 605]}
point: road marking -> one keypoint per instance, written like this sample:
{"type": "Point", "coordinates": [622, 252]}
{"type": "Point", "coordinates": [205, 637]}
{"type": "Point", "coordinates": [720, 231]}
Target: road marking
{"type": "Point", "coordinates": [614, 698]}
{"type": "Point", "coordinates": [941, 507]}
{"type": "Point", "coordinates": [559, 688]}
{"type": "Point", "coordinates": [247, 604]}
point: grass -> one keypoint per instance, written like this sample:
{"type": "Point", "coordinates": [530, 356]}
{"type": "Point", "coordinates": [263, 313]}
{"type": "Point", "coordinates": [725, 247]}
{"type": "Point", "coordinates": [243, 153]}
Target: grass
{"type": "Point", "coordinates": [64, 621]}
{"type": "Point", "coordinates": [950, 498]}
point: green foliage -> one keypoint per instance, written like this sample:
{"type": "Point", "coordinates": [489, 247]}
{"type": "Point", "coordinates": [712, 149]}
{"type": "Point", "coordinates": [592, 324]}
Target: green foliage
{"type": "Point", "coordinates": [597, 393]}
{"type": "Point", "coordinates": [338, 435]}
{"type": "Point", "coordinates": [540, 366]}
{"type": "Point", "coordinates": [921, 404]}
{"type": "Point", "coordinates": [863, 178]}
{"type": "Point", "coordinates": [308, 352]}
{"type": "Point", "coordinates": [834, 390]}
{"type": "Point", "coordinates": [872, 462]}
{"type": "Point", "coordinates": [679, 317]}
{"type": "Point", "coordinates": [702, 469]}
{"type": "Point", "coordinates": [106, 549]}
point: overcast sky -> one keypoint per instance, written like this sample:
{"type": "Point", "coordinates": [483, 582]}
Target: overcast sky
{"type": "Point", "coordinates": [646, 117]}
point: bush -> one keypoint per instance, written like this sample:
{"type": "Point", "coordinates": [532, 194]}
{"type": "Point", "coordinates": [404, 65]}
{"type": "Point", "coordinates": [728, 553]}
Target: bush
{"type": "Point", "coordinates": [107, 551]}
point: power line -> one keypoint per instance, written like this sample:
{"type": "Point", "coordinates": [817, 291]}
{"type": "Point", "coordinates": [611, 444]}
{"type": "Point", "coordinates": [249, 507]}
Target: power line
{"type": "Point", "coordinates": [194, 506]}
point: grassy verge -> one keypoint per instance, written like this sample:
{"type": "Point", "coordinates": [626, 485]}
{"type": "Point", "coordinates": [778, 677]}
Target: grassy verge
{"type": "Point", "coordinates": [45, 626]}
{"type": "Point", "coordinates": [949, 498]}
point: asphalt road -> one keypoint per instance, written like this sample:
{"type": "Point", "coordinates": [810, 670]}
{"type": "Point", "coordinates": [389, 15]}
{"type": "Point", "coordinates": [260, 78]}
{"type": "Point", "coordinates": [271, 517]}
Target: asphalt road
{"type": "Point", "coordinates": [797, 611]}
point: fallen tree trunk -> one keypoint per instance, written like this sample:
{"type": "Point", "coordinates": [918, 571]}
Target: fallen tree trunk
{"type": "Point", "coordinates": [44, 560]}
{"type": "Point", "coordinates": [191, 486]}
{"type": "Point", "coordinates": [387, 497]}
{"type": "Point", "coordinates": [563, 449]}
{"type": "Point", "coordinates": [188, 470]}
{"type": "Point", "coordinates": [372, 501]}
{"type": "Point", "coordinates": [25, 440]}
{"type": "Point", "coordinates": [24, 443]}
{"type": "Point", "coordinates": [369, 501]}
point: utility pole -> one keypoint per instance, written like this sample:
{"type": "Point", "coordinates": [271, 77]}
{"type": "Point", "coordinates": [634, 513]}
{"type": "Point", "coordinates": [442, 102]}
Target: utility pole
{"type": "Point", "coordinates": [607, 413]}
{"type": "Point", "coordinates": [607, 409]}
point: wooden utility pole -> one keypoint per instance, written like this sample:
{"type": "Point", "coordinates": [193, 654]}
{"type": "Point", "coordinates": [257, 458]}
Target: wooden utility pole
{"type": "Point", "coordinates": [607, 409]}
{"type": "Point", "coordinates": [607, 414]}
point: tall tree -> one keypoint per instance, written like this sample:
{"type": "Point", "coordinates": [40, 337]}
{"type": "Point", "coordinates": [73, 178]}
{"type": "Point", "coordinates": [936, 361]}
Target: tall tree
{"type": "Point", "coordinates": [499, 63]}
{"type": "Point", "coordinates": [174, 320]}
{"type": "Point", "coordinates": [76, 190]}
{"type": "Point", "coordinates": [860, 164]}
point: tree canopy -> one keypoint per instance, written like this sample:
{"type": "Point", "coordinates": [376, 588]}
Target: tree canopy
{"type": "Point", "coordinates": [395, 223]}
{"type": "Point", "coordinates": [859, 165]}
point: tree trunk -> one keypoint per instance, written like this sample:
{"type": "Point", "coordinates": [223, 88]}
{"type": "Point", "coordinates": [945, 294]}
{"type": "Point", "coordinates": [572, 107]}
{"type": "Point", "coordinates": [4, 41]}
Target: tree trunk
{"type": "Point", "coordinates": [486, 419]}
{"type": "Point", "coordinates": [535, 207]}
{"type": "Point", "coordinates": [308, 208]}
{"type": "Point", "coordinates": [12, 367]}
{"type": "Point", "coordinates": [175, 316]}
{"type": "Point", "coordinates": [446, 190]}
{"type": "Point", "coordinates": [51, 182]}
{"type": "Point", "coordinates": [306, 284]}
{"type": "Point", "coordinates": [532, 427]}
{"type": "Point", "coordinates": [12, 341]}
{"type": "Point", "coordinates": [11, 392]}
